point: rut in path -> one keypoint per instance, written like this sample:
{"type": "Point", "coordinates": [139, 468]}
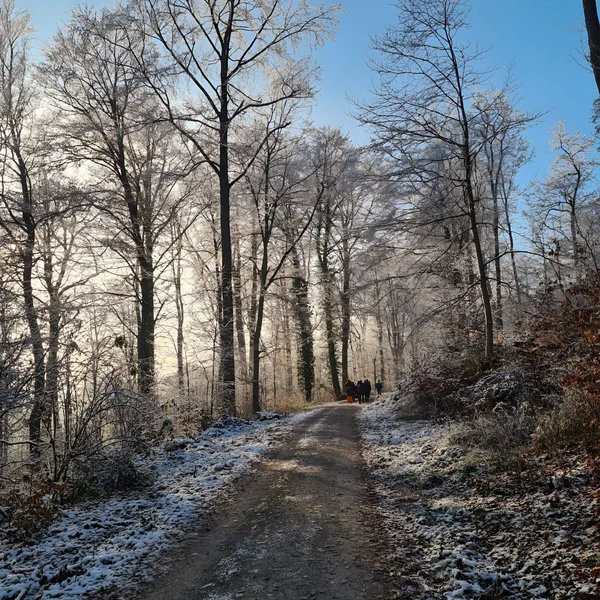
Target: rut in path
{"type": "Point", "coordinates": [301, 527]}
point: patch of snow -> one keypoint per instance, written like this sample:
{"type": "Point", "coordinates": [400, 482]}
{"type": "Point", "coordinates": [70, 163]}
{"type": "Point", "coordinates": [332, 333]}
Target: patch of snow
{"type": "Point", "coordinates": [460, 532]}
{"type": "Point", "coordinates": [95, 546]}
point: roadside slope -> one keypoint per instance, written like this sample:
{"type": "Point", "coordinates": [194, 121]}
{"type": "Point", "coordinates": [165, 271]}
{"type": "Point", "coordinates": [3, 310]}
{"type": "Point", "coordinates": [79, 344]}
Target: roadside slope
{"type": "Point", "coordinates": [464, 525]}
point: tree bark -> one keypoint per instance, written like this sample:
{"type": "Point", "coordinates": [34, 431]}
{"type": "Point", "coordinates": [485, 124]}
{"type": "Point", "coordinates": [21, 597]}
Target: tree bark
{"type": "Point", "coordinates": [345, 306]}
{"type": "Point", "coordinates": [497, 262]}
{"type": "Point", "coordinates": [226, 404]}
{"type": "Point", "coordinates": [142, 239]}
{"type": "Point", "coordinates": [592, 25]}
{"type": "Point", "coordinates": [39, 409]}
{"type": "Point", "coordinates": [573, 202]}
{"type": "Point", "coordinates": [323, 251]}
{"type": "Point", "coordinates": [379, 320]}
{"type": "Point", "coordinates": [147, 327]}
{"type": "Point", "coordinates": [306, 356]}
{"type": "Point", "coordinates": [483, 278]}
{"type": "Point", "coordinates": [239, 315]}
{"type": "Point", "coordinates": [467, 160]}
{"type": "Point", "coordinates": [256, 338]}
{"type": "Point", "coordinates": [287, 345]}
{"type": "Point", "coordinates": [331, 350]}
{"type": "Point", "coordinates": [241, 352]}
{"type": "Point", "coordinates": [177, 271]}
{"type": "Point", "coordinates": [328, 294]}
{"type": "Point", "coordinates": [511, 243]}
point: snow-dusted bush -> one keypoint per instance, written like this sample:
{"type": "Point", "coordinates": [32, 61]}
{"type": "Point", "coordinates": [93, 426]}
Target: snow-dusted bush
{"type": "Point", "coordinates": [573, 422]}
{"type": "Point", "coordinates": [502, 432]}
{"type": "Point", "coordinates": [434, 386]}
{"type": "Point", "coordinates": [107, 473]}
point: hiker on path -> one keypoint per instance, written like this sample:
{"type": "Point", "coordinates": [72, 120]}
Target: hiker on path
{"type": "Point", "coordinates": [368, 388]}
{"type": "Point", "coordinates": [360, 390]}
{"type": "Point", "coordinates": [350, 391]}
{"type": "Point", "coordinates": [378, 387]}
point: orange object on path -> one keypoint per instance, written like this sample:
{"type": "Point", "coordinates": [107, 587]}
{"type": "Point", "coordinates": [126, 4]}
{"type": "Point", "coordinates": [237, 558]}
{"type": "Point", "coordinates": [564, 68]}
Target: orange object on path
{"type": "Point", "coordinates": [350, 398]}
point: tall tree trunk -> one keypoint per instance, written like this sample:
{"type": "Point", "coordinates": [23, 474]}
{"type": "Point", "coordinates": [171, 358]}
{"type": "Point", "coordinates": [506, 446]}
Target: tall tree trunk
{"type": "Point", "coordinates": [226, 405]}
{"type": "Point", "coordinates": [142, 238]}
{"type": "Point", "coordinates": [180, 309]}
{"type": "Point", "coordinates": [592, 25]}
{"type": "Point", "coordinates": [287, 345]}
{"type": "Point", "coordinates": [39, 408]}
{"type": "Point", "coordinates": [260, 311]}
{"type": "Point", "coordinates": [239, 314]}
{"type": "Point", "coordinates": [253, 301]}
{"type": "Point", "coordinates": [497, 262]}
{"type": "Point", "coordinates": [575, 244]}
{"type": "Point", "coordinates": [494, 168]}
{"type": "Point", "coordinates": [52, 366]}
{"type": "Point", "coordinates": [323, 251]}
{"type": "Point", "coordinates": [483, 278]}
{"type": "Point", "coordinates": [214, 394]}
{"type": "Point", "coordinates": [511, 243]}
{"type": "Point", "coordinates": [330, 335]}
{"type": "Point", "coordinates": [396, 336]}
{"type": "Point", "coordinates": [345, 306]}
{"type": "Point", "coordinates": [574, 230]}
{"type": "Point", "coordinates": [306, 355]}
{"type": "Point", "coordinates": [379, 321]}
{"type": "Point", "coordinates": [468, 166]}
{"type": "Point", "coordinates": [147, 326]}
{"type": "Point", "coordinates": [256, 352]}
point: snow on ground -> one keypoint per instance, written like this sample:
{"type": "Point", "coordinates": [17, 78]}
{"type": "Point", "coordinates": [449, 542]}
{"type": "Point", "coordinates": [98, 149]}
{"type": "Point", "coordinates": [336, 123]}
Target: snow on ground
{"type": "Point", "coordinates": [462, 529]}
{"type": "Point", "coordinates": [98, 546]}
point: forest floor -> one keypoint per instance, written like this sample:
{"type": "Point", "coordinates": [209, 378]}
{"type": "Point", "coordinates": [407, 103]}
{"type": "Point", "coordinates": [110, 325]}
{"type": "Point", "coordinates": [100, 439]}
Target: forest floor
{"type": "Point", "coordinates": [464, 523]}
{"type": "Point", "coordinates": [104, 545]}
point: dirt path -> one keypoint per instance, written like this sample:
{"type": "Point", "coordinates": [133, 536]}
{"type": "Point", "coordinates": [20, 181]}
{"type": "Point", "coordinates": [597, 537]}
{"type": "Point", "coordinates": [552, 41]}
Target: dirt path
{"type": "Point", "coordinates": [302, 527]}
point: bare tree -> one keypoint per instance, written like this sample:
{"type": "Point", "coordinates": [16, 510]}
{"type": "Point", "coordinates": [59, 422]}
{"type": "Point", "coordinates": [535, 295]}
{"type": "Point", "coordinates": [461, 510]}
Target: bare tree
{"type": "Point", "coordinates": [107, 119]}
{"type": "Point", "coordinates": [301, 308]}
{"type": "Point", "coordinates": [237, 58]}
{"type": "Point", "coordinates": [276, 181]}
{"type": "Point", "coordinates": [428, 82]}
{"type": "Point", "coordinates": [505, 151]}
{"type": "Point", "coordinates": [561, 201]}
{"type": "Point", "coordinates": [20, 153]}
{"type": "Point", "coordinates": [330, 163]}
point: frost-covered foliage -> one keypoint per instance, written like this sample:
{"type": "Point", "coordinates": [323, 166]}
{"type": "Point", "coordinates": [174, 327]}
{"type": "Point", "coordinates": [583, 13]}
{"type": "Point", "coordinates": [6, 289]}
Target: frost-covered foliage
{"type": "Point", "coordinates": [106, 474]}
{"type": "Point", "coordinates": [455, 387]}
{"type": "Point", "coordinates": [94, 547]}
{"type": "Point", "coordinates": [461, 529]}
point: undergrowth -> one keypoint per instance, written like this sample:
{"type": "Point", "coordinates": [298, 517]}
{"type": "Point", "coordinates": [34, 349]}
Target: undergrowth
{"type": "Point", "coordinates": [542, 391]}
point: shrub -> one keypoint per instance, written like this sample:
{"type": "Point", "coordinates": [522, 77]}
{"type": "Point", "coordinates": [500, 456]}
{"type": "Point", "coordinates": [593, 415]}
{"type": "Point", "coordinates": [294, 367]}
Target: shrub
{"type": "Point", "coordinates": [109, 473]}
{"type": "Point", "coordinates": [27, 512]}
{"type": "Point", "coordinates": [576, 421]}
{"type": "Point", "coordinates": [501, 433]}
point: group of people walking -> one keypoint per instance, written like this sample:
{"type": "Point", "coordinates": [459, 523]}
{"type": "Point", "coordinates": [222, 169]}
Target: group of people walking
{"type": "Point", "coordinates": [361, 390]}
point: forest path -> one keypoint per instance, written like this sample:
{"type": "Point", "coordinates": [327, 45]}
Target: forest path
{"type": "Point", "coordinates": [301, 527]}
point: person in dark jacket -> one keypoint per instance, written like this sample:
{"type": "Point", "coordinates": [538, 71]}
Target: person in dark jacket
{"type": "Point", "coordinates": [363, 391]}
{"type": "Point", "coordinates": [378, 387]}
{"type": "Point", "coordinates": [367, 386]}
{"type": "Point", "coordinates": [350, 391]}
{"type": "Point", "coordinates": [360, 390]}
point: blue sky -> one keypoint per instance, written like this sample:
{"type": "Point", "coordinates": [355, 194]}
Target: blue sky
{"type": "Point", "coordinates": [543, 38]}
